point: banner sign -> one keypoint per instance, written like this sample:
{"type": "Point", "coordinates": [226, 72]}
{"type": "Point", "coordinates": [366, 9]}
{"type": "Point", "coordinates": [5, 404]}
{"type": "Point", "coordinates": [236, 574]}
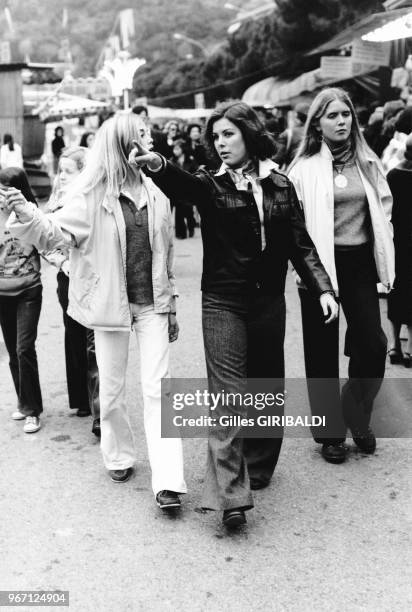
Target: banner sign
{"type": "Point", "coordinates": [336, 67]}
{"type": "Point", "coordinates": [367, 52]}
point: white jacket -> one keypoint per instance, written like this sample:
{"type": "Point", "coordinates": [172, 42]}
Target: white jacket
{"type": "Point", "coordinates": [313, 181]}
{"type": "Point", "coordinates": [93, 226]}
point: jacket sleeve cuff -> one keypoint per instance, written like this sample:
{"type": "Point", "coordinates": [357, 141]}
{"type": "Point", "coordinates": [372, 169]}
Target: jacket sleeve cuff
{"type": "Point", "coordinates": [331, 292]}
{"type": "Point", "coordinates": [162, 167]}
{"type": "Point", "coordinates": [173, 305]}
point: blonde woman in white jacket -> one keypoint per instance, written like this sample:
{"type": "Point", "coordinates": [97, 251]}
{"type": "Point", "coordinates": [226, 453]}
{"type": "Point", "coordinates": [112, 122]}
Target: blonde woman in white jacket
{"type": "Point", "coordinates": [347, 206]}
{"type": "Point", "coordinates": [118, 226]}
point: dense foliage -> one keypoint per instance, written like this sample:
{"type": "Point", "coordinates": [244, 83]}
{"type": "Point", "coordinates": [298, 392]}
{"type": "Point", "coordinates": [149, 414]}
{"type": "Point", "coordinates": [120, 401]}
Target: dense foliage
{"type": "Point", "coordinates": [272, 45]}
{"type": "Point", "coordinates": [39, 28]}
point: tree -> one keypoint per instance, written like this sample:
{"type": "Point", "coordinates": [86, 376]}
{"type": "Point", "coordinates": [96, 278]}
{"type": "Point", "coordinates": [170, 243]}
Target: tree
{"type": "Point", "coordinates": [303, 24]}
{"type": "Point", "coordinates": [274, 45]}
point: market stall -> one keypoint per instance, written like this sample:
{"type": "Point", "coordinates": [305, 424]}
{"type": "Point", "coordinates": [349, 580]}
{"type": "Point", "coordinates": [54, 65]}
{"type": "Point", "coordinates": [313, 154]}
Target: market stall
{"type": "Point", "coordinates": [359, 55]}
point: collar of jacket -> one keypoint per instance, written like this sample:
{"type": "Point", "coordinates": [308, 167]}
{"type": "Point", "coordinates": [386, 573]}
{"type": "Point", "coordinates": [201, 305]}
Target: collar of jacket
{"type": "Point", "coordinates": [110, 201]}
{"type": "Point", "coordinates": [265, 168]}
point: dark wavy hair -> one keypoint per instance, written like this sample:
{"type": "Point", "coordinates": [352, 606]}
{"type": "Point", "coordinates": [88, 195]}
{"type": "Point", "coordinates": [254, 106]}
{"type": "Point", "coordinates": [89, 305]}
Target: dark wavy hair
{"type": "Point", "coordinates": [190, 127]}
{"type": "Point", "coordinates": [259, 143]}
{"type": "Point", "coordinates": [16, 177]}
{"type": "Point", "coordinates": [83, 139]}
{"type": "Point", "coordinates": [404, 121]}
{"type": "Point", "coordinates": [8, 140]}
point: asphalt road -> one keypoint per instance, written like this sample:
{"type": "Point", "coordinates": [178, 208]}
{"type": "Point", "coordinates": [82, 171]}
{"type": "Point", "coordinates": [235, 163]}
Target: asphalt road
{"type": "Point", "coordinates": [321, 537]}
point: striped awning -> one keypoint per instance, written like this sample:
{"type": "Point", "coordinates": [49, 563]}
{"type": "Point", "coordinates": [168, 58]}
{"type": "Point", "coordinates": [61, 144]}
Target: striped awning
{"type": "Point", "coordinates": [274, 92]}
{"type": "Point", "coordinates": [51, 107]}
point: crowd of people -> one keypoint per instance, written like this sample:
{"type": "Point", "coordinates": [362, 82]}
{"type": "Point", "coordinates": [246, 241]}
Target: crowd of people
{"type": "Point", "coordinates": [331, 212]}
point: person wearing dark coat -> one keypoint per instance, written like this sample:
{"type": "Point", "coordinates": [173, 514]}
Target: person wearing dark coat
{"type": "Point", "coordinates": [400, 299]}
{"type": "Point", "coordinates": [57, 146]}
{"type": "Point", "coordinates": [196, 149]}
{"type": "Point", "coordinates": [163, 142]}
{"type": "Point", "coordinates": [184, 220]}
{"type": "Point", "coordinates": [251, 226]}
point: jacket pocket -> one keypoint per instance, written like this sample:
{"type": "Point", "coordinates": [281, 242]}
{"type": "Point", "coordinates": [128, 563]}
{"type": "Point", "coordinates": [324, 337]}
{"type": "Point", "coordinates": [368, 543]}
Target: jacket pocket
{"type": "Point", "coordinates": [229, 201]}
{"type": "Point", "coordinates": [84, 290]}
{"type": "Point", "coordinates": [280, 212]}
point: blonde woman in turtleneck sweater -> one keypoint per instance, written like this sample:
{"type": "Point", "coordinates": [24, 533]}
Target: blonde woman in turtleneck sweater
{"type": "Point", "coordinates": [347, 205]}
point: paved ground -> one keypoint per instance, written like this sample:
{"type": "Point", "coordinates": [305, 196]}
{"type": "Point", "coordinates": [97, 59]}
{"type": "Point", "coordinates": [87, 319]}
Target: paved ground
{"type": "Point", "coordinates": [321, 537]}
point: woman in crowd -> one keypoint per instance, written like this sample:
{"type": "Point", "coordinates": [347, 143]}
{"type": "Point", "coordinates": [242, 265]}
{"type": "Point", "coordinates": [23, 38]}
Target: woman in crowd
{"type": "Point", "coordinates": [391, 112]}
{"type": "Point", "coordinates": [20, 305]}
{"type": "Point", "coordinates": [87, 140]}
{"type": "Point", "coordinates": [57, 146]}
{"type": "Point", "coordinates": [81, 368]}
{"type": "Point", "coordinates": [394, 152]}
{"type": "Point", "coordinates": [251, 226]}
{"type": "Point", "coordinates": [347, 206]}
{"type": "Point", "coordinates": [10, 153]}
{"type": "Point", "coordinates": [400, 299]}
{"type": "Point", "coordinates": [164, 141]}
{"type": "Point", "coordinates": [195, 147]}
{"type": "Point", "coordinates": [184, 219]}
{"type": "Point", "coordinates": [117, 224]}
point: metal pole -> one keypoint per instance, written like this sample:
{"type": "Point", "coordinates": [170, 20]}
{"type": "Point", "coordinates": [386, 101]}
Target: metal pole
{"type": "Point", "coordinates": [125, 99]}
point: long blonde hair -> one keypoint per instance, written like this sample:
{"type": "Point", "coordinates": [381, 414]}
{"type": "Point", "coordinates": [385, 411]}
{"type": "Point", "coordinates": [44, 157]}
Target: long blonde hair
{"type": "Point", "coordinates": [107, 160]}
{"type": "Point", "coordinates": [312, 138]}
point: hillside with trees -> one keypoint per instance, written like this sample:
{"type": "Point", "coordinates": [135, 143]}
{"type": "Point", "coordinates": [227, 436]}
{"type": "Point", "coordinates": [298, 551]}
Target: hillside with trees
{"type": "Point", "coordinates": [39, 28]}
{"type": "Point", "coordinates": [273, 45]}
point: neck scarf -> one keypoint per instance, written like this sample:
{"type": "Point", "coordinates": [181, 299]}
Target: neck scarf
{"type": "Point", "coordinates": [342, 154]}
{"type": "Point", "coordinates": [243, 175]}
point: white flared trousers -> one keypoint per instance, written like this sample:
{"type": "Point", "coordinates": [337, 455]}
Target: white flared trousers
{"type": "Point", "coordinates": [112, 348]}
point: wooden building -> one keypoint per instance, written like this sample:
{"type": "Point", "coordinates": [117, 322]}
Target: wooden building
{"type": "Point", "coordinates": [11, 101]}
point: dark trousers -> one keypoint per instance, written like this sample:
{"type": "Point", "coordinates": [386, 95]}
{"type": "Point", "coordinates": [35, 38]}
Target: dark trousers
{"type": "Point", "coordinates": [81, 367]}
{"type": "Point", "coordinates": [19, 317]}
{"type": "Point", "coordinates": [243, 338]}
{"type": "Point", "coordinates": [365, 345]}
{"type": "Point", "coordinates": [184, 220]}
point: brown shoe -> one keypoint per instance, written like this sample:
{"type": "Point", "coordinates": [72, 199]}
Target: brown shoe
{"type": "Point", "coordinates": [334, 453]}
{"type": "Point", "coordinates": [83, 412]}
{"type": "Point", "coordinates": [235, 517]}
{"type": "Point", "coordinates": [96, 428]}
{"type": "Point", "coordinates": [121, 475]}
{"type": "Point", "coordinates": [168, 499]}
{"type": "Point", "coordinates": [365, 441]}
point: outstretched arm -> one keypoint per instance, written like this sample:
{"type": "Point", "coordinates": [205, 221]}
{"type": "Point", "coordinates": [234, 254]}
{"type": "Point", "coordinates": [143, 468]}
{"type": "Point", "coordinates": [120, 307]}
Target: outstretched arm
{"type": "Point", "coordinates": [68, 227]}
{"type": "Point", "coordinates": [175, 182]}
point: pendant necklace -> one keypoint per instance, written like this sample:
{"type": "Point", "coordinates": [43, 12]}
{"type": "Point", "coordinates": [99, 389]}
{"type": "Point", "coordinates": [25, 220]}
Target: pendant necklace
{"type": "Point", "coordinates": [340, 179]}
